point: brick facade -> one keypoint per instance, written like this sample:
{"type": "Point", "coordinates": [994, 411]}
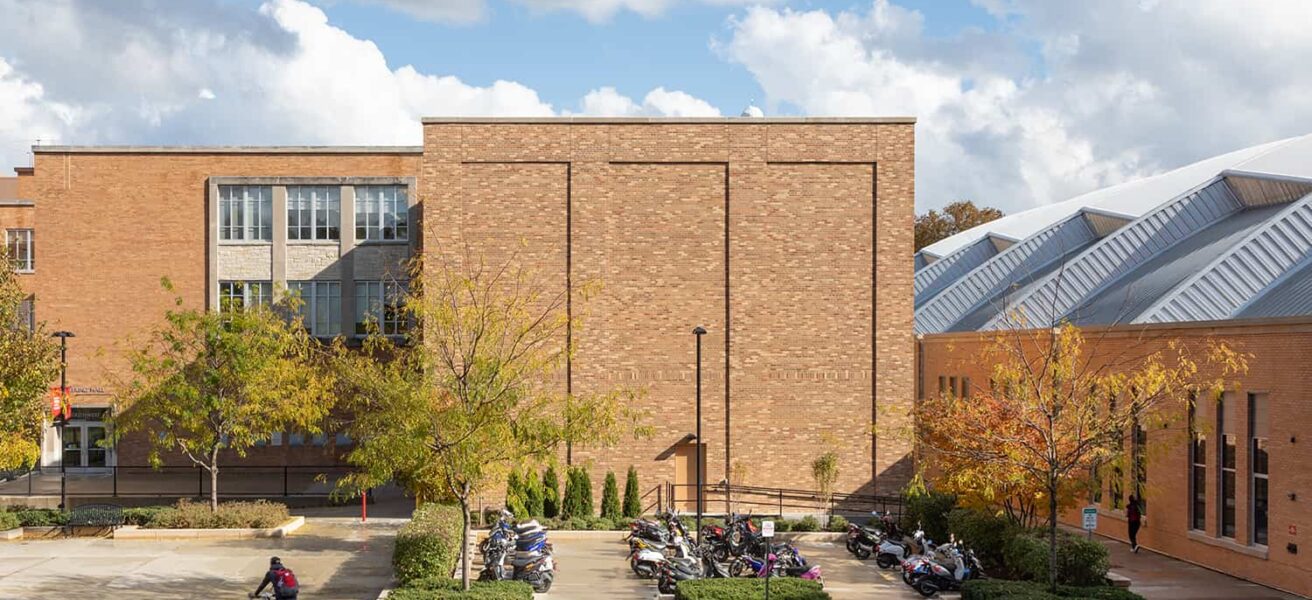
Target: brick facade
{"type": "Point", "coordinates": [1277, 368]}
{"type": "Point", "coordinates": [785, 238]}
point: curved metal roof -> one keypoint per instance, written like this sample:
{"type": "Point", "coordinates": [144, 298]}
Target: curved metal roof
{"type": "Point", "coordinates": [1224, 237]}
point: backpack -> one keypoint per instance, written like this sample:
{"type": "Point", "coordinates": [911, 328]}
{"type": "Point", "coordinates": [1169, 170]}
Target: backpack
{"type": "Point", "coordinates": [284, 581]}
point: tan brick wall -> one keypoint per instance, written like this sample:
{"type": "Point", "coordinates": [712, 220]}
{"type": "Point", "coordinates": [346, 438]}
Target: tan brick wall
{"type": "Point", "coordinates": [1277, 367]}
{"type": "Point", "coordinates": [771, 228]}
{"type": "Point", "coordinates": [117, 223]}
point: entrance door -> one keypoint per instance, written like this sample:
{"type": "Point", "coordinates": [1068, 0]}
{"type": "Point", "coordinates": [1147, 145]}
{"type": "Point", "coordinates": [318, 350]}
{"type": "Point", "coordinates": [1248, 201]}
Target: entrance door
{"type": "Point", "coordinates": [82, 446]}
{"type": "Point", "coordinates": [685, 477]}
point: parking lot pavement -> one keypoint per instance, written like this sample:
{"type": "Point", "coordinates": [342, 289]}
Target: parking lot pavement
{"type": "Point", "coordinates": [332, 558]}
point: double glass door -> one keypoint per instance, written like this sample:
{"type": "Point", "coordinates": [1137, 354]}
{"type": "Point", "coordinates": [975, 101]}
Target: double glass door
{"type": "Point", "coordinates": [83, 446]}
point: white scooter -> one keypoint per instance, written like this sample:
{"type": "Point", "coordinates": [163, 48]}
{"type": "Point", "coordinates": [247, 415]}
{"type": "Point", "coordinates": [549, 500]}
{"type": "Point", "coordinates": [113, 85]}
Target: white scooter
{"type": "Point", "coordinates": [891, 552]}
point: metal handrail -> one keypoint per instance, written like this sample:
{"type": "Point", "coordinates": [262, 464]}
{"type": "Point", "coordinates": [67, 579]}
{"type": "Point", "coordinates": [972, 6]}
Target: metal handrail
{"type": "Point", "coordinates": [126, 481]}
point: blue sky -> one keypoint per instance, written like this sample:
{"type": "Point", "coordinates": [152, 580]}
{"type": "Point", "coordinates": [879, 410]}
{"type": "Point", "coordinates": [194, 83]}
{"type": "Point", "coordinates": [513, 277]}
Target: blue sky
{"type": "Point", "coordinates": [563, 55]}
{"type": "Point", "coordinates": [1018, 103]}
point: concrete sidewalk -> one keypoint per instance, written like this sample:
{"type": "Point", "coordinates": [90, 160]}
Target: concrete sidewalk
{"type": "Point", "coordinates": [1158, 577]}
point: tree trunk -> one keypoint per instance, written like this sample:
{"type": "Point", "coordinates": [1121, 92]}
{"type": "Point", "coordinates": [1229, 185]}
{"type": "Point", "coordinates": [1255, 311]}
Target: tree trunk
{"type": "Point", "coordinates": [464, 545]}
{"type": "Point", "coordinates": [1052, 537]}
{"type": "Point", "coordinates": [214, 480]}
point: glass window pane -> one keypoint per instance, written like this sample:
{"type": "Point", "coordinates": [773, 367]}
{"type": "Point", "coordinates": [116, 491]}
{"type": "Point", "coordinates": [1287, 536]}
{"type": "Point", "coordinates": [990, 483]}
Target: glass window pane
{"type": "Point", "coordinates": [1260, 510]}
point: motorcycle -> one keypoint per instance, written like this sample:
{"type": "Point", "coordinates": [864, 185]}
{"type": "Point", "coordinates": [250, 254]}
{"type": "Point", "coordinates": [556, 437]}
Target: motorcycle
{"type": "Point", "coordinates": [892, 552]}
{"type": "Point", "coordinates": [645, 558]}
{"type": "Point", "coordinates": [862, 540]}
{"type": "Point", "coordinates": [684, 565]}
{"type": "Point", "coordinates": [932, 577]}
{"type": "Point", "coordinates": [533, 562]}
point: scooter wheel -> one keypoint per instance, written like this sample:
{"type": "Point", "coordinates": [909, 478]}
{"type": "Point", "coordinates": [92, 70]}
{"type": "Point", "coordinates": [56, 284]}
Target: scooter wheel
{"type": "Point", "coordinates": [863, 554]}
{"type": "Point", "coordinates": [543, 584]}
{"type": "Point", "coordinates": [885, 561]}
{"type": "Point", "coordinates": [851, 546]}
{"type": "Point", "coordinates": [926, 588]}
{"type": "Point", "coordinates": [666, 585]}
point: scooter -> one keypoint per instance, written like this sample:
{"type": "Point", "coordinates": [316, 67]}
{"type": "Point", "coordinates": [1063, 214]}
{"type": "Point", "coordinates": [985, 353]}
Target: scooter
{"type": "Point", "coordinates": [646, 559]}
{"type": "Point", "coordinates": [683, 566]}
{"type": "Point", "coordinates": [933, 577]}
{"type": "Point", "coordinates": [892, 552]}
{"type": "Point", "coordinates": [533, 562]}
{"type": "Point", "coordinates": [862, 540]}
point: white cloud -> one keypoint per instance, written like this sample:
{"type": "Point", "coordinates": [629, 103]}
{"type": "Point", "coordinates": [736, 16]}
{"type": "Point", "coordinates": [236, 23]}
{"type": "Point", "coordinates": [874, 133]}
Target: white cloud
{"type": "Point", "coordinates": [468, 11]}
{"type": "Point", "coordinates": [209, 73]}
{"type": "Point", "coordinates": [1064, 98]}
{"type": "Point", "coordinates": [658, 102]}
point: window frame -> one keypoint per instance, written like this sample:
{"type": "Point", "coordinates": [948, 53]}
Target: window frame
{"type": "Point", "coordinates": [1226, 515]}
{"type": "Point", "coordinates": [304, 213]}
{"type": "Point", "coordinates": [319, 292]}
{"type": "Point", "coordinates": [28, 258]}
{"type": "Point", "coordinates": [1258, 535]}
{"type": "Point", "coordinates": [262, 287]}
{"type": "Point", "coordinates": [245, 218]}
{"type": "Point", "coordinates": [394, 327]}
{"type": "Point", "coordinates": [371, 204]}
{"type": "Point", "coordinates": [1197, 467]}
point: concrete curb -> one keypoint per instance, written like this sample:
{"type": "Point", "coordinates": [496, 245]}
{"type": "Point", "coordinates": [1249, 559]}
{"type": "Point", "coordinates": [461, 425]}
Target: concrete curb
{"type": "Point", "coordinates": [132, 532]}
{"type": "Point", "coordinates": [12, 534]}
{"type": "Point", "coordinates": [811, 536]}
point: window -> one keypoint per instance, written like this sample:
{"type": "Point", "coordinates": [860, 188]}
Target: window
{"type": "Point", "coordinates": [942, 385]}
{"type": "Point", "coordinates": [238, 295]}
{"type": "Point", "coordinates": [275, 439]}
{"type": "Point", "coordinates": [25, 318]}
{"type": "Point", "coordinates": [321, 306]}
{"type": "Point", "coordinates": [296, 439]}
{"type": "Point", "coordinates": [952, 387]}
{"type": "Point", "coordinates": [1258, 430]}
{"type": "Point", "coordinates": [965, 387]}
{"type": "Point", "coordinates": [18, 242]}
{"type": "Point", "coordinates": [1116, 488]}
{"type": "Point", "coordinates": [342, 439]}
{"type": "Point", "coordinates": [313, 212]}
{"type": "Point", "coordinates": [379, 302]}
{"type": "Point", "coordinates": [1139, 456]}
{"type": "Point", "coordinates": [382, 212]}
{"type": "Point", "coordinates": [245, 212]}
{"type": "Point", "coordinates": [1198, 473]}
{"type": "Point", "coordinates": [1226, 448]}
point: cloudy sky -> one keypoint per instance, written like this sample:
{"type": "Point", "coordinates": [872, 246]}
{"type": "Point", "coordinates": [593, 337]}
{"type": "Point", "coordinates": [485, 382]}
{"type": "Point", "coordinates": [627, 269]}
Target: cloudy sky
{"type": "Point", "coordinates": [1020, 102]}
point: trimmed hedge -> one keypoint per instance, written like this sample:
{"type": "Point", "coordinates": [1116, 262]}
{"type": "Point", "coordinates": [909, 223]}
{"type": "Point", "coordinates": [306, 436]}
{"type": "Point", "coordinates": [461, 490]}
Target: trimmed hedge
{"type": "Point", "coordinates": [142, 515]}
{"type": "Point", "coordinates": [443, 588]}
{"type": "Point", "coordinates": [429, 545]}
{"type": "Point", "coordinates": [997, 589]}
{"type": "Point", "coordinates": [807, 523]}
{"type": "Point", "coordinates": [632, 495]}
{"type": "Point", "coordinates": [231, 515]}
{"type": "Point", "coordinates": [8, 521]}
{"type": "Point", "coordinates": [40, 517]}
{"type": "Point", "coordinates": [610, 497]}
{"type": "Point", "coordinates": [781, 588]}
{"type": "Point", "coordinates": [837, 523]}
{"type": "Point", "coordinates": [1080, 561]}
{"type": "Point", "coordinates": [986, 534]}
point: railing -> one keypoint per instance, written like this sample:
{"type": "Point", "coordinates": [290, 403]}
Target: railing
{"type": "Point", "coordinates": [238, 481]}
{"type": "Point", "coordinates": [719, 498]}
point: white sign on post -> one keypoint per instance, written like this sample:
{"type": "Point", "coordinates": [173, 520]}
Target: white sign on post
{"type": "Point", "coordinates": [767, 529]}
{"type": "Point", "coordinates": [1090, 518]}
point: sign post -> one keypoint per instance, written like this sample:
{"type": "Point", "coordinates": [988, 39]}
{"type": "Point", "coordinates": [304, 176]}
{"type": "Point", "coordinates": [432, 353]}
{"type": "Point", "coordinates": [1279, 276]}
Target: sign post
{"type": "Point", "coordinates": [1090, 519]}
{"type": "Point", "coordinates": [767, 532]}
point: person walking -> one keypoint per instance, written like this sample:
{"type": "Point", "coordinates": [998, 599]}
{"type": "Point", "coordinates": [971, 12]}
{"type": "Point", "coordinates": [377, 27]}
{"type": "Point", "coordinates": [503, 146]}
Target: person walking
{"type": "Point", "coordinates": [1134, 518]}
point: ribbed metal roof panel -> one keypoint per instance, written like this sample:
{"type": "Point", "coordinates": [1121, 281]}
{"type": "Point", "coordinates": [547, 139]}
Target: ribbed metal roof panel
{"type": "Point", "coordinates": [1118, 254]}
{"type": "Point", "coordinates": [1241, 274]}
{"type": "Point", "coordinates": [964, 295]}
{"type": "Point", "coordinates": [933, 278]}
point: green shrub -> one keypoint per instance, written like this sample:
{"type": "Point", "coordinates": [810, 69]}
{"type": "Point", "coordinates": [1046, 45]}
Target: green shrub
{"type": "Point", "coordinates": [8, 521]}
{"type": "Point", "coordinates": [534, 499]}
{"type": "Point", "coordinates": [632, 495]}
{"type": "Point", "coordinates": [610, 497]}
{"type": "Point", "coordinates": [141, 516]}
{"type": "Point", "coordinates": [782, 588]}
{"type": "Point", "coordinates": [999, 589]}
{"type": "Point", "coordinates": [39, 517]}
{"type": "Point", "coordinates": [429, 545]}
{"type": "Point", "coordinates": [784, 525]}
{"type": "Point", "coordinates": [1080, 561]}
{"type": "Point", "coordinates": [807, 523]}
{"type": "Point", "coordinates": [986, 534]}
{"type": "Point", "coordinates": [578, 494]}
{"type": "Point", "coordinates": [837, 523]}
{"type": "Point", "coordinates": [515, 500]}
{"type": "Point", "coordinates": [443, 588]}
{"type": "Point", "coordinates": [929, 510]}
{"type": "Point", "coordinates": [550, 493]}
{"type": "Point", "coordinates": [186, 514]}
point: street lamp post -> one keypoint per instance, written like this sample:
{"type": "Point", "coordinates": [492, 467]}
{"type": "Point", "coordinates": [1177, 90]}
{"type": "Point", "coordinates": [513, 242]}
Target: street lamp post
{"type": "Point", "coordinates": [697, 458]}
{"type": "Point", "coordinates": [63, 422]}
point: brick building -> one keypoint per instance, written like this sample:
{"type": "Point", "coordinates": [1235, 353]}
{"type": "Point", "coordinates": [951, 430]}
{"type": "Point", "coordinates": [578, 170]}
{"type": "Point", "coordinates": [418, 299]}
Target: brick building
{"type": "Point", "coordinates": [1216, 250]}
{"type": "Point", "coordinates": [785, 238]}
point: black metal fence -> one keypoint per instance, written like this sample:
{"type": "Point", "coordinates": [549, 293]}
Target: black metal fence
{"type": "Point", "coordinates": [719, 498]}
{"type": "Point", "coordinates": [238, 481]}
